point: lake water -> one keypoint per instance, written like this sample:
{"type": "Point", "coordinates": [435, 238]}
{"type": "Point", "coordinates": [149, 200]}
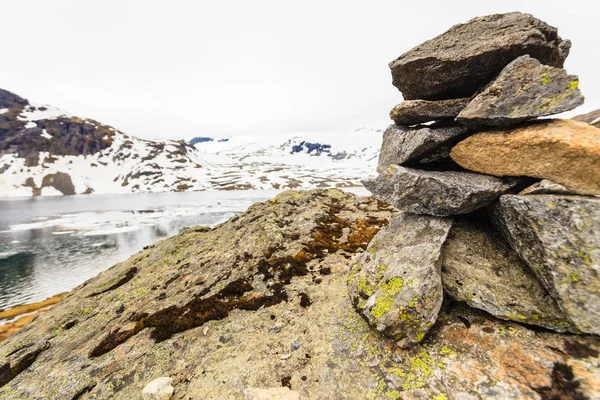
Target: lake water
{"type": "Point", "coordinates": [49, 245]}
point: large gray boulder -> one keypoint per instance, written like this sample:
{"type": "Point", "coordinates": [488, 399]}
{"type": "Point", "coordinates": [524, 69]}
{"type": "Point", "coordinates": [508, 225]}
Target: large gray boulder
{"type": "Point", "coordinates": [468, 56]}
{"type": "Point", "coordinates": [480, 268]}
{"type": "Point", "coordinates": [440, 193]}
{"type": "Point", "coordinates": [396, 284]}
{"type": "Point", "coordinates": [524, 90]}
{"type": "Point", "coordinates": [411, 112]}
{"type": "Point", "coordinates": [402, 144]}
{"type": "Point", "coordinates": [559, 238]}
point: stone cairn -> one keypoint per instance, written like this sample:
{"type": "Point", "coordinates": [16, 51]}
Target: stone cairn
{"type": "Point", "coordinates": [498, 207]}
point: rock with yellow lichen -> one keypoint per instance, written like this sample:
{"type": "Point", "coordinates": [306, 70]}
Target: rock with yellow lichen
{"type": "Point", "coordinates": [524, 90]}
{"type": "Point", "coordinates": [396, 284]}
{"type": "Point", "coordinates": [480, 268]}
{"type": "Point", "coordinates": [559, 238]}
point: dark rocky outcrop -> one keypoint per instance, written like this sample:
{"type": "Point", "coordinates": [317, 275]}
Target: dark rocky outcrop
{"type": "Point", "coordinates": [524, 90]}
{"type": "Point", "coordinates": [11, 100]}
{"type": "Point", "coordinates": [468, 56]}
{"type": "Point", "coordinates": [59, 181]}
{"type": "Point", "coordinates": [69, 135]}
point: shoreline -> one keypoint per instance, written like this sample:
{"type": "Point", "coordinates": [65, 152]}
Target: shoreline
{"type": "Point", "coordinates": [21, 315]}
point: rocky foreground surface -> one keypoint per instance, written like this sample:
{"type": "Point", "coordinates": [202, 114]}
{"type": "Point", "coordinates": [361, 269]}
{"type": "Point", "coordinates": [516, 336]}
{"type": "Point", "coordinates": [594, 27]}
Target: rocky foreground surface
{"type": "Point", "coordinates": [258, 308]}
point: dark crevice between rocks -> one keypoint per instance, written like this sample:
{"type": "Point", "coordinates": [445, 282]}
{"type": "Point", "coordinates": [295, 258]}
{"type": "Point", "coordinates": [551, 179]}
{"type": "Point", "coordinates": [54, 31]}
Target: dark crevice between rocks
{"type": "Point", "coordinates": [465, 321]}
{"type": "Point", "coordinates": [564, 387]}
{"type": "Point", "coordinates": [70, 324]}
{"type": "Point", "coordinates": [83, 390]}
{"type": "Point", "coordinates": [11, 368]}
{"type": "Point", "coordinates": [277, 271]}
{"type": "Point", "coordinates": [17, 349]}
{"type": "Point", "coordinates": [126, 278]}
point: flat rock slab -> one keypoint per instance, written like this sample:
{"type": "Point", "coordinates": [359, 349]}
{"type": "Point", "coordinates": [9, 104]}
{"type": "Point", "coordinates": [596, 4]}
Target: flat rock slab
{"type": "Point", "coordinates": [592, 118]}
{"type": "Point", "coordinates": [524, 90]}
{"type": "Point", "coordinates": [411, 112]}
{"type": "Point", "coordinates": [402, 144]}
{"type": "Point", "coordinates": [468, 56]}
{"type": "Point", "coordinates": [440, 193]}
{"type": "Point", "coordinates": [559, 238]}
{"type": "Point", "coordinates": [563, 151]}
{"type": "Point", "coordinates": [396, 284]}
{"type": "Point", "coordinates": [480, 268]}
{"type": "Point", "coordinates": [545, 187]}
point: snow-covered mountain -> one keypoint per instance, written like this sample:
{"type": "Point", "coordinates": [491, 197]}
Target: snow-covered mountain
{"type": "Point", "coordinates": [44, 151]}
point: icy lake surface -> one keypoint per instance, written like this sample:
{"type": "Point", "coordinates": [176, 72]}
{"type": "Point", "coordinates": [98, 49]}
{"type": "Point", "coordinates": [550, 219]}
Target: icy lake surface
{"type": "Point", "coordinates": [53, 244]}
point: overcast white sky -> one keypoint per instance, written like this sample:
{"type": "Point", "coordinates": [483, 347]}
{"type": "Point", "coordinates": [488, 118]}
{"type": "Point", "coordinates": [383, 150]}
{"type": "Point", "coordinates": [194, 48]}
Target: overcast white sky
{"type": "Point", "coordinates": [177, 69]}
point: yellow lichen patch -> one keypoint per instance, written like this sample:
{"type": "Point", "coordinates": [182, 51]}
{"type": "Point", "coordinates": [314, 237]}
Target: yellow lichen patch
{"type": "Point", "coordinates": [385, 301]}
{"type": "Point", "coordinates": [363, 287]}
{"type": "Point", "coordinates": [546, 78]}
{"type": "Point", "coordinates": [574, 84]}
{"type": "Point", "coordinates": [445, 350]}
{"type": "Point", "coordinates": [393, 395]}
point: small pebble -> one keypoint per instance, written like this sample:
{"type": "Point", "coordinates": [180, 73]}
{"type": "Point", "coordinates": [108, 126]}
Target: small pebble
{"type": "Point", "coordinates": [295, 345]}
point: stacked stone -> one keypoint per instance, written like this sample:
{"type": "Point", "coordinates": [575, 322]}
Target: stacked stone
{"type": "Point", "coordinates": [497, 206]}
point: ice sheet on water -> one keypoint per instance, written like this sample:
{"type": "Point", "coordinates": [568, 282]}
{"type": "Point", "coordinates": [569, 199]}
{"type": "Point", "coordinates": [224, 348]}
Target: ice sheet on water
{"type": "Point", "coordinates": [115, 222]}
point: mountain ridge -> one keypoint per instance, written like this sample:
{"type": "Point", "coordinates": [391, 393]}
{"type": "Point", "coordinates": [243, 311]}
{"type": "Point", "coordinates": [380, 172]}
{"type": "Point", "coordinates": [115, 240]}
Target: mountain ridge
{"type": "Point", "coordinates": [45, 151]}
